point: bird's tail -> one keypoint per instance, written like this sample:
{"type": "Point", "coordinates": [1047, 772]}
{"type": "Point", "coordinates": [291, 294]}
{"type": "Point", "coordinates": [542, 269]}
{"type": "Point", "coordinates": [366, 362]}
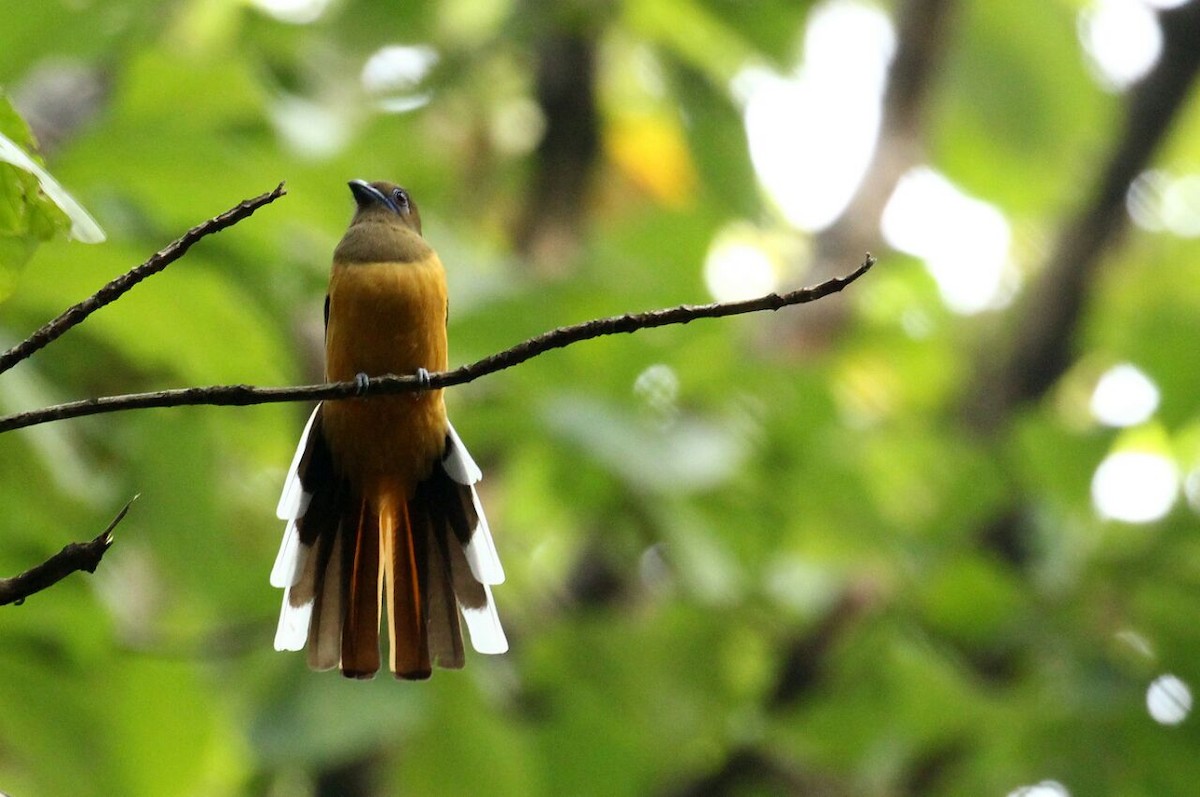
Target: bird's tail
{"type": "Point", "coordinates": [347, 559]}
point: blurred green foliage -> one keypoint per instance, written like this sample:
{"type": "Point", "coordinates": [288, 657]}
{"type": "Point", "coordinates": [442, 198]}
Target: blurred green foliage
{"type": "Point", "coordinates": [720, 548]}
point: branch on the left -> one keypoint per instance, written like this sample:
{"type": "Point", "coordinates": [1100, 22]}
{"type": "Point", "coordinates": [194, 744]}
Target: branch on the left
{"type": "Point", "coordinates": [74, 557]}
{"type": "Point", "coordinates": [86, 555]}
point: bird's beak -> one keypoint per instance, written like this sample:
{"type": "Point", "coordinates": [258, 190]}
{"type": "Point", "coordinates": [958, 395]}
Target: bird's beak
{"type": "Point", "coordinates": [366, 195]}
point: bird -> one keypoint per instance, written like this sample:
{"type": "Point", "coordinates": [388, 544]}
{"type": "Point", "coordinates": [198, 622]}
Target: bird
{"type": "Point", "coordinates": [384, 521]}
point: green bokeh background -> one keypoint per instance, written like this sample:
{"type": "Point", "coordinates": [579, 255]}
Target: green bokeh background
{"type": "Point", "coordinates": [767, 579]}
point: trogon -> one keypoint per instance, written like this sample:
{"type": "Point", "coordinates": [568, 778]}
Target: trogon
{"type": "Point", "coordinates": [384, 524]}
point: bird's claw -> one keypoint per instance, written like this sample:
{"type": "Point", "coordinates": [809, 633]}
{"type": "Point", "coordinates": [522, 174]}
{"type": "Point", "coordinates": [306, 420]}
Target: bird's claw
{"type": "Point", "coordinates": [361, 382]}
{"type": "Point", "coordinates": [422, 378]}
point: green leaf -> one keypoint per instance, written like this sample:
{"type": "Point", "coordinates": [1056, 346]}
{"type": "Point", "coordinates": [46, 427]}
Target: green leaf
{"type": "Point", "coordinates": [34, 203]}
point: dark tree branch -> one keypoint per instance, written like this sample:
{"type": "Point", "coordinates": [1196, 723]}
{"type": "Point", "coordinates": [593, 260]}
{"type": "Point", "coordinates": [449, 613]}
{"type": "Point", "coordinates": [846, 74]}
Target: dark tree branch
{"type": "Point", "coordinates": [1046, 323]}
{"type": "Point", "coordinates": [242, 395]}
{"type": "Point", "coordinates": [748, 770]}
{"type": "Point", "coordinates": [806, 658]}
{"type": "Point", "coordinates": [74, 557]}
{"type": "Point", "coordinates": [124, 283]}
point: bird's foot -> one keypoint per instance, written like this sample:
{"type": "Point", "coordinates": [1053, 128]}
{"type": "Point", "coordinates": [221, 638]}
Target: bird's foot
{"type": "Point", "coordinates": [422, 384]}
{"type": "Point", "coordinates": [361, 382]}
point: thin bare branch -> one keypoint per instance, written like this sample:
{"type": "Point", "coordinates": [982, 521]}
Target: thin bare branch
{"type": "Point", "coordinates": [115, 289]}
{"type": "Point", "coordinates": [74, 557]}
{"type": "Point", "coordinates": [242, 395]}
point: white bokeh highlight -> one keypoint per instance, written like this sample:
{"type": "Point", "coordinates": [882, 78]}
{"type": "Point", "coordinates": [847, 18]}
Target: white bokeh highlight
{"type": "Point", "coordinates": [658, 387]}
{"type": "Point", "coordinates": [1169, 700]}
{"type": "Point", "coordinates": [311, 129]}
{"type": "Point", "coordinates": [1191, 489]}
{"type": "Point", "coordinates": [1047, 788]}
{"type": "Point", "coordinates": [1181, 206]}
{"type": "Point", "coordinates": [963, 241]}
{"type": "Point", "coordinates": [394, 75]}
{"type": "Point", "coordinates": [1121, 39]}
{"type": "Point", "coordinates": [294, 12]}
{"type": "Point", "coordinates": [812, 134]}
{"type": "Point", "coordinates": [1135, 486]}
{"type": "Point", "coordinates": [737, 269]}
{"type": "Point", "coordinates": [1159, 201]}
{"type": "Point", "coordinates": [1124, 396]}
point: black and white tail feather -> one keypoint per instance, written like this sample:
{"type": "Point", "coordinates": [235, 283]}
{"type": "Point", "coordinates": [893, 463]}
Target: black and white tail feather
{"type": "Point", "coordinates": [324, 582]}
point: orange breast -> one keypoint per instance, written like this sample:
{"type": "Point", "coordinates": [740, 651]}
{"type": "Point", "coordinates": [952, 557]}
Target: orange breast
{"type": "Point", "coordinates": [386, 318]}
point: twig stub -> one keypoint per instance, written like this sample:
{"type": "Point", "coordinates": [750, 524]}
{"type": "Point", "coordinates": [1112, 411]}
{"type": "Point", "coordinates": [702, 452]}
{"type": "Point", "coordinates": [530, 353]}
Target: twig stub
{"type": "Point", "coordinates": [73, 557]}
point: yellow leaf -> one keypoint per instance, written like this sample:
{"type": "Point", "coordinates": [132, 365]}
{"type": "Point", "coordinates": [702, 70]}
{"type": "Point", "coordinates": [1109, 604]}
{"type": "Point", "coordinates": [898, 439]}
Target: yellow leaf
{"type": "Point", "coordinates": [651, 151]}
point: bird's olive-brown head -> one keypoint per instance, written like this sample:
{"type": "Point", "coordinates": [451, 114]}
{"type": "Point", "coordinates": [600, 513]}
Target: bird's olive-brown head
{"type": "Point", "coordinates": [385, 201]}
{"type": "Point", "coordinates": [386, 226]}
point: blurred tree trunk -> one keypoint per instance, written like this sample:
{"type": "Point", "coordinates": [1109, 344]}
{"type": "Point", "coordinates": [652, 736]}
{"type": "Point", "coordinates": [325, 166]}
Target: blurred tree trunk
{"type": "Point", "coordinates": [548, 233]}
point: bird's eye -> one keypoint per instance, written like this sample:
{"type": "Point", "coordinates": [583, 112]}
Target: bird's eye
{"type": "Point", "coordinates": [401, 198]}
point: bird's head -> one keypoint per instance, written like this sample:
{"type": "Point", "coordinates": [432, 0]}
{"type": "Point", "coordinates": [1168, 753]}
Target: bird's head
{"type": "Point", "coordinates": [387, 202]}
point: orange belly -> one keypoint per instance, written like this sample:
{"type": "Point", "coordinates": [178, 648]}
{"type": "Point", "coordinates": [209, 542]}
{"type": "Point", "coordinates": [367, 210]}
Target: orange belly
{"type": "Point", "coordinates": [386, 318]}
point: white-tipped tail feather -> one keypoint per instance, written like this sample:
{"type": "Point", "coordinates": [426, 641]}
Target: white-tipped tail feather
{"type": "Point", "coordinates": [458, 462]}
{"type": "Point", "coordinates": [293, 624]}
{"type": "Point", "coordinates": [302, 539]}
{"type": "Point", "coordinates": [483, 623]}
{"type": "Point", "coordinates": [290, 561]}
{"type": "Point", "coordinates": [481, 549]}
{"type": "Point", "coordinates": [294, 500]}
{"type": "Point", "coordinates": [483, 626]}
